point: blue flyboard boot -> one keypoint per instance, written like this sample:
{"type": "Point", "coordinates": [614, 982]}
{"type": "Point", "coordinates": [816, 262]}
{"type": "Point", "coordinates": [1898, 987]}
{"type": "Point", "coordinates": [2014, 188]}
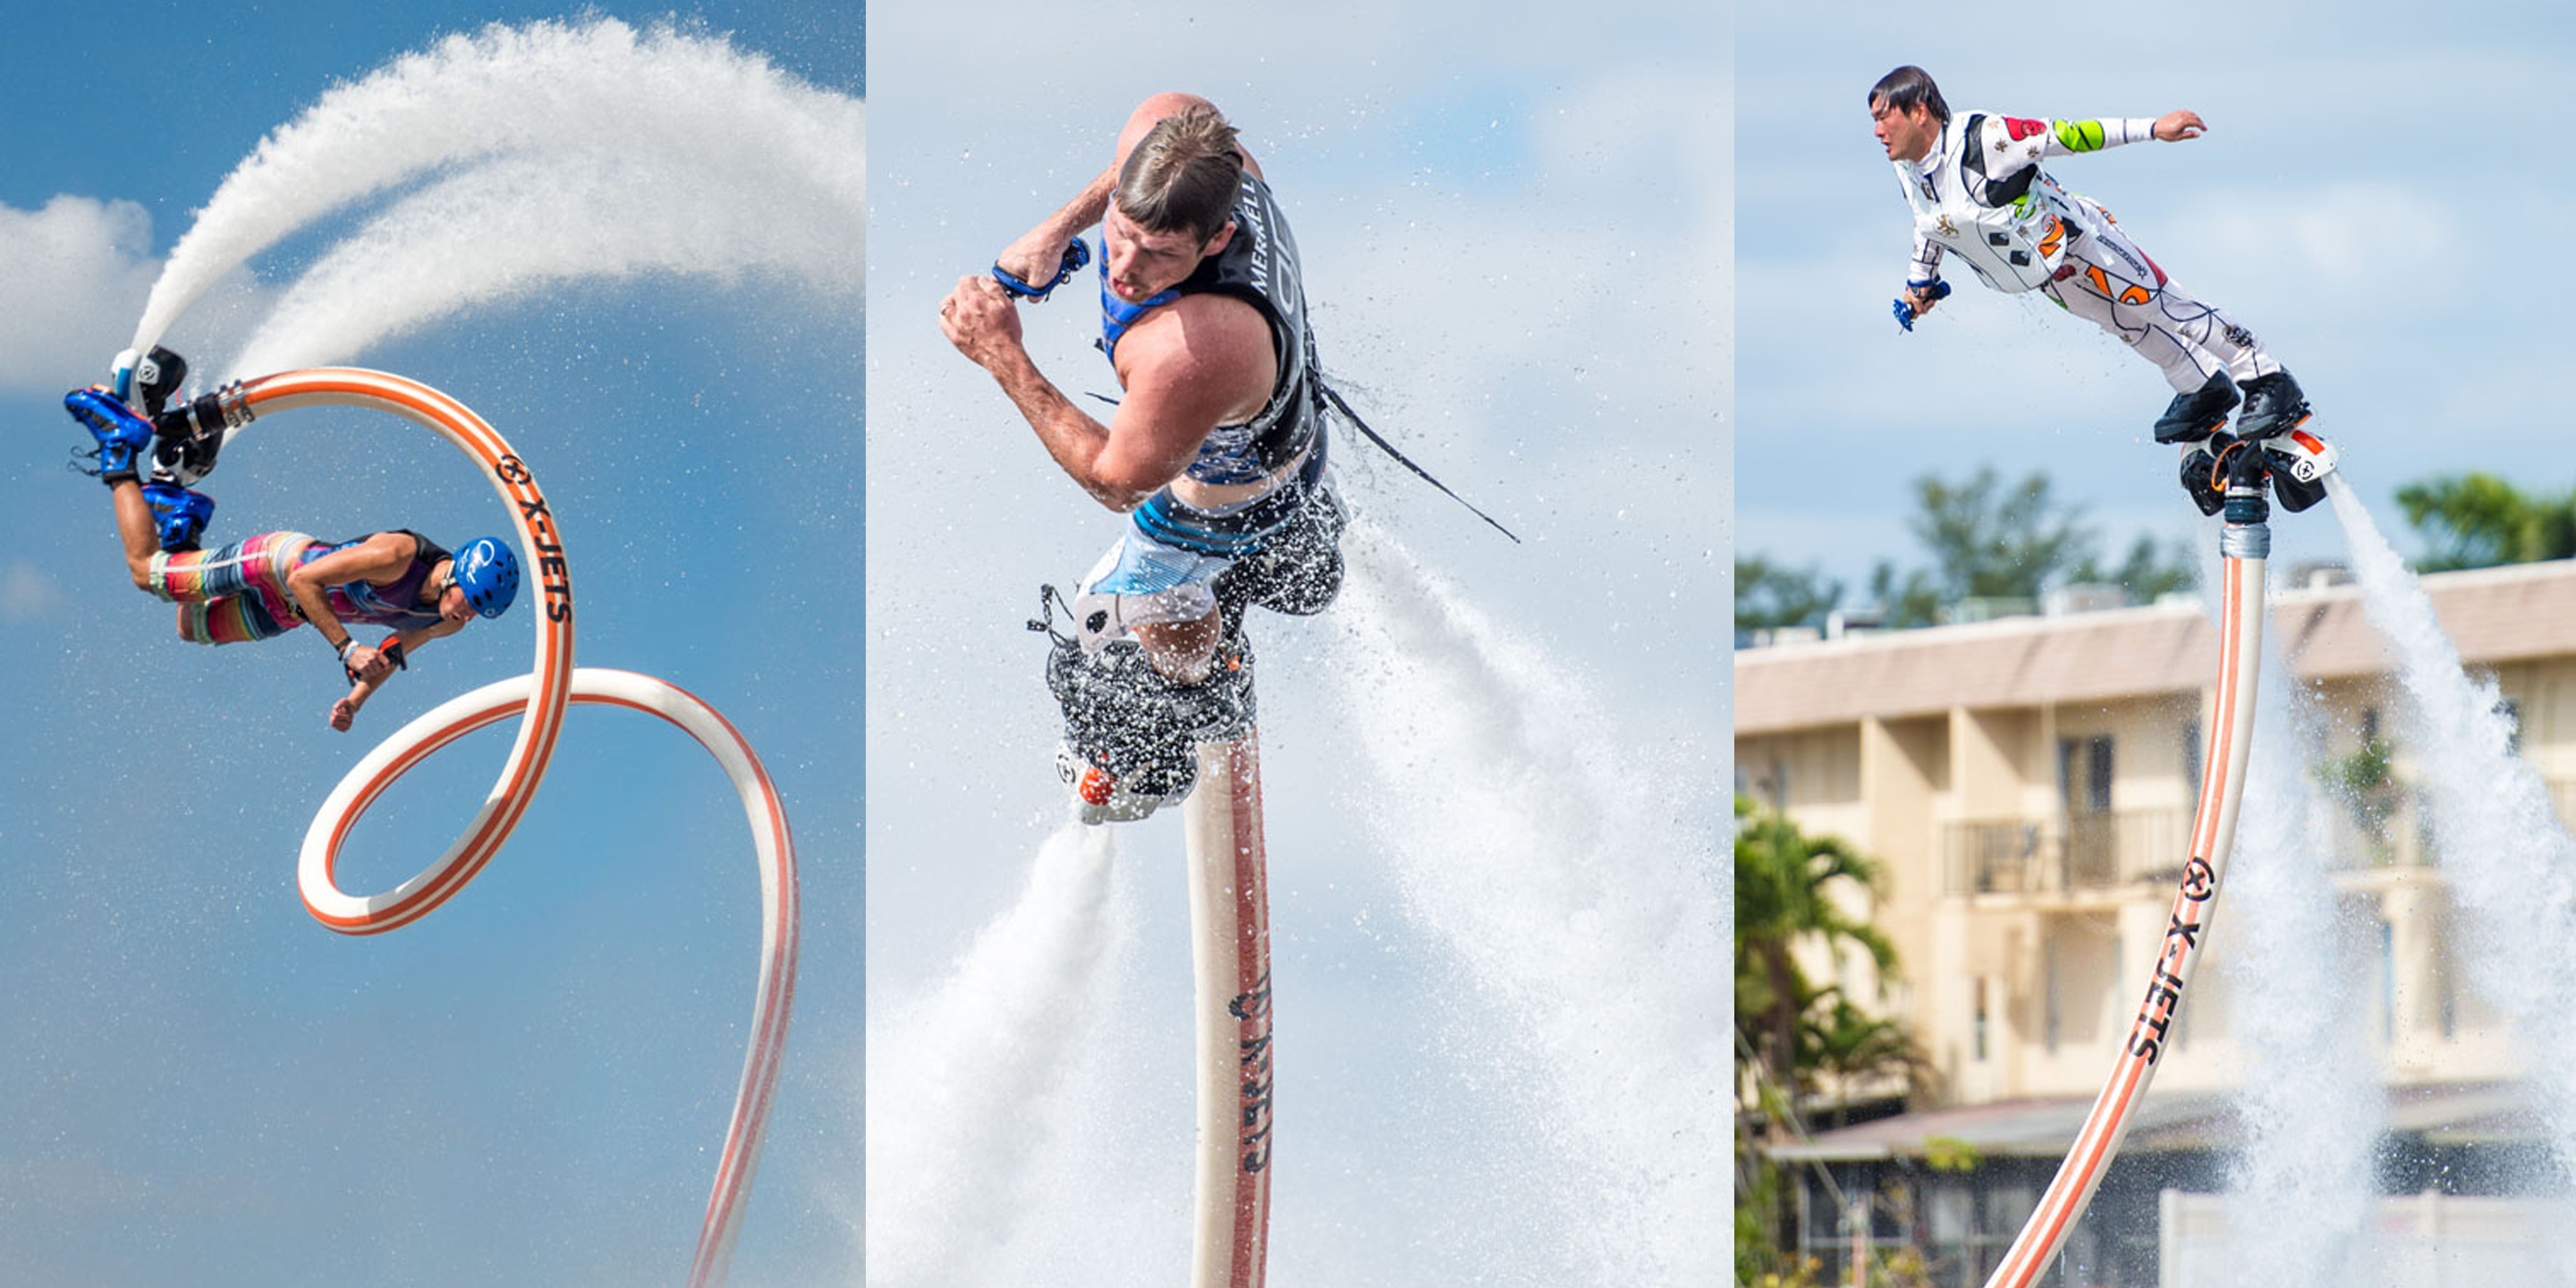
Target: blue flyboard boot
{"type": "Point", "coordinates": [178, 514]}
{"type": "Point", "coordinates": [120, 433]}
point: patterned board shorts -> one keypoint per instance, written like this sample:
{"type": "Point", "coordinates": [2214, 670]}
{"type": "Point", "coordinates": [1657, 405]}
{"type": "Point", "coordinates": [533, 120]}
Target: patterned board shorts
{"type": "Point", "coordinates": [234, 593]}
{"type": "Point", "coordinates": [1149, 578]}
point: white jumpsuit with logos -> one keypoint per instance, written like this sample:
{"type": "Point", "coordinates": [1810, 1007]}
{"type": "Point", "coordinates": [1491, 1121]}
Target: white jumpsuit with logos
{"type": "Point", "coordinates": [1979, 194]}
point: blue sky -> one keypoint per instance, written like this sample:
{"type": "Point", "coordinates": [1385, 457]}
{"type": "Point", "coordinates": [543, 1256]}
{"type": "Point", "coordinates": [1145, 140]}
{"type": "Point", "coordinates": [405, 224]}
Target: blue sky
{"type": "Point", "coordinates": [1514, 225]}
{"type": "Point", "coordinates": [528, 1086]}
{"type": "Point", "coordinates": [2372, 198]}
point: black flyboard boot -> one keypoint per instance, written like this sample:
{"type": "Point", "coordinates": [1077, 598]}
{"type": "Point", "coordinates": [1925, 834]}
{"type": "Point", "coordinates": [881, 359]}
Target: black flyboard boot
{"type": "Point", "coordinates": [1131, 733]}
{"type": "Point", "coordinates": [2274, 404]}
{"type": "Point", "coordinates": [2194, 416]}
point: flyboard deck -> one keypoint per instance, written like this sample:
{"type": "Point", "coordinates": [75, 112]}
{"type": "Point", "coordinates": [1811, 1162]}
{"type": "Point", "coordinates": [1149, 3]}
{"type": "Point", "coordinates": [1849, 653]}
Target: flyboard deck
{"type": "Point", "coordinates": [1230, 958]}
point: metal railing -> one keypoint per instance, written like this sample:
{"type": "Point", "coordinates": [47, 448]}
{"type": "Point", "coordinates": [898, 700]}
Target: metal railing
{"type": "Point", "coordinates": [2054, 855]}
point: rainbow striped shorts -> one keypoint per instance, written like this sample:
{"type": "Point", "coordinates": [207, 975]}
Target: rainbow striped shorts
{"type": "Point", "coordinates": [234, 593]}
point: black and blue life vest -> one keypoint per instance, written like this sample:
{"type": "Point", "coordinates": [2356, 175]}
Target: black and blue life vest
{"type": "Point", "coordinates": [1260, 267]}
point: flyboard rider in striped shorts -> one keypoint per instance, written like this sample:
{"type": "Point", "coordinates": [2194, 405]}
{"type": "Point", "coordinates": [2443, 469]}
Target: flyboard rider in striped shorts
{"type": "Point", "coordinates": [269, 584]}
{"type": "Point", "coordinates": [1215, 453]}
{"type": "Point", "coordinates": [1978, 196]}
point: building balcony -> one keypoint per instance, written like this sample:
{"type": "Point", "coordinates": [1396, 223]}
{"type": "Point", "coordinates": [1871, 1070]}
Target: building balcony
{"type": "Point", "coordinates": [2064, 853]}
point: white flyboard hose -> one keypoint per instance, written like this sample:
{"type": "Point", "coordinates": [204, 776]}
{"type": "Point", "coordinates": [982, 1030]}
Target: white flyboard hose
{"type": "Point", "coordinates": [1230, 958]}
{"type": "Point", "coordinates": [2244, 547]}
{"type": "Point", "coordinates": [542, 696]}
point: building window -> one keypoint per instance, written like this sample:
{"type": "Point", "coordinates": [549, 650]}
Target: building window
{"type": "Point", "coordinates": [2084, 774]}
{"type": "Point", "coordinates": [1978, 1028]}
{"type": "Point", "coordinates": [2048, 969]}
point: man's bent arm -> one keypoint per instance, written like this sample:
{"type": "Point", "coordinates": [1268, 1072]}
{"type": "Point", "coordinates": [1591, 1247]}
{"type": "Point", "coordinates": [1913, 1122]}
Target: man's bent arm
{"type": "Point", "coordinates": [1074, 439]}
{"type": "Point", "coordinates": [1038, 254]}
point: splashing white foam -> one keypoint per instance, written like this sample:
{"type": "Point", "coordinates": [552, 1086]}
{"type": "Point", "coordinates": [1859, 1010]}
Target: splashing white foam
{"type": "Point", "coordinates": [1561, 857]}
{"type": "Point", "coordinates": [2510, 862]}
{"type": "Point", "coordinates": [520, 157]}
{"type": "Point", "coordinates": [2302, 1193]}
{"type": "Point", "coordinates": [973, 1086]}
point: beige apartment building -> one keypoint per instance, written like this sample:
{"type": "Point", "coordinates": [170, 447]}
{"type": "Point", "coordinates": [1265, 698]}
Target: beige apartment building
{"type": "Point", "coordinates": [2028, 784]}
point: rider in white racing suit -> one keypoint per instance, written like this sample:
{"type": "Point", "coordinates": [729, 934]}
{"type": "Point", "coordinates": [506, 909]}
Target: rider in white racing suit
{"type": "Point", "coordinates": [1977, 193]}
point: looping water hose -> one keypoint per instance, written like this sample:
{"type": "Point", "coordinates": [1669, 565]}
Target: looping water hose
{"type": "Point", "coordinates": [541, 697]}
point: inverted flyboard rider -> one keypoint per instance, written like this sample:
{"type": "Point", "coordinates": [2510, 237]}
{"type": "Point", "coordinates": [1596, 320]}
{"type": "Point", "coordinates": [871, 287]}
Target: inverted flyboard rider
{"type": "Point", "coordinates": [269, 584]}
{"type": "Point", "coordinates": [1978, 195]}
{"type": "Point", "coordinates": [1215, 454]}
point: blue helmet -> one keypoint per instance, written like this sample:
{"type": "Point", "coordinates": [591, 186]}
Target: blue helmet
{"type": "Point", "coordinates": [488, 572]}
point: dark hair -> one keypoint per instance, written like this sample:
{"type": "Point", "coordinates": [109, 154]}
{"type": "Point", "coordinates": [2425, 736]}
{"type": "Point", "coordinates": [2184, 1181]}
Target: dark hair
{"type": "Point", "coordinates": [1182, 176]}
{"type": "Point", "coordinates": [1907, 88]}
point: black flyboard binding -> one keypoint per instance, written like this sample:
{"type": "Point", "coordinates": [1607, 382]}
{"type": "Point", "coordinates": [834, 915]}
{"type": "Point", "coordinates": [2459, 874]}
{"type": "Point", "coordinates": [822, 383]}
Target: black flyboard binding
{"type": "Point", "coordinates": [1131, 734]}
{"type": "Point", "coordinates": [2295, 464]}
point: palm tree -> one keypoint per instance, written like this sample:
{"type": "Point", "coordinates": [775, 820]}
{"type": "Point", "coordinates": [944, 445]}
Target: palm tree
{"type": "Point", "coordinates": [1784, 897]}
{"type": "Point", "coordinates": [1790, 1032]}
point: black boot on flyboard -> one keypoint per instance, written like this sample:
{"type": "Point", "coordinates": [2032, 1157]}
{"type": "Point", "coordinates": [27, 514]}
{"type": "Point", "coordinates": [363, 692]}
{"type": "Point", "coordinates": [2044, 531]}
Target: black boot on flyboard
{"type": "Point", "coordinates": [186, 436]}
{"type": "Point", "coordinates": [1131, 734]}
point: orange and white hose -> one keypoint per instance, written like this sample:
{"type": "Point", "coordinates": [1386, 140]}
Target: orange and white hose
{"type": "Point", "coordinates": [1230, 959]}
{"type": "Point", "coordinates": [541, 697]}
{"type": "Point", "coordinates": [2213, 834]}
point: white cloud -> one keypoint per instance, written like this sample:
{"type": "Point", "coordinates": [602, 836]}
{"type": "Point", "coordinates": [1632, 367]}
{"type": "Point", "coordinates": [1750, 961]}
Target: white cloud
{"type": "Point", "coordinates": [2344, 244]}
{"type": "Point", "coordinates": [78, 270]}
{"type": "Point", "coordinates": [27, 594]}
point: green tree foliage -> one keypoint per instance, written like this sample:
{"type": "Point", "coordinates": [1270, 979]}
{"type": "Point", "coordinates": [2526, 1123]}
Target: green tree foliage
{"type": "Point", "coordinates": [1769, 595]}
{"type": "Point", "coordinates": [1992, 539]}
{"type": "Point", "coordinates": [2153, 568]}
{"type": "Point", "coordinates": [2480, 520]}
{"type": "Point", "coordinates": [1987, 539]}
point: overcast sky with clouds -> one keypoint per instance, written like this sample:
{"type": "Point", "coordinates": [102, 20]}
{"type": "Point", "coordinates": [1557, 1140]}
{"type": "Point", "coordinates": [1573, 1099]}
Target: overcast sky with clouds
{"type": "Point", "coordinates": [529, 1086]}
{"type": "Point", "coordinates": [1514, 223]}
{"type": "Point", "coordinates": [2377, 197]}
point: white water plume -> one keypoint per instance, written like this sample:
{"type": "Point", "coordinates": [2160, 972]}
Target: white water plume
{"type": "Point", "coordinates": [2510, 862]}
{"type": "Point", "coordinates": [519, 157]}
{"type": "Point", "coordinates": [1565, 859]}
{"type": "Point", "coordinates": [2301, 1188]}
{"type": "Point", "coordinates": [973, 1086]}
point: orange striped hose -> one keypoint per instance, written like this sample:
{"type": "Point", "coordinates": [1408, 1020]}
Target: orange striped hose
{"type": "Point", "coordinates": [1230, 959]}
{"type": "Point", "coordinates": [2213, 835]}
{"type": "Point", "coordinates": [541, 697]}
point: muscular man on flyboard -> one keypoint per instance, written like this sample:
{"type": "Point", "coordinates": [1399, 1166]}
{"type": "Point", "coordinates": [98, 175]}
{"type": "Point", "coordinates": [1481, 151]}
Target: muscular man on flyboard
{"type": "Point", "coordinates": [1216, 453]}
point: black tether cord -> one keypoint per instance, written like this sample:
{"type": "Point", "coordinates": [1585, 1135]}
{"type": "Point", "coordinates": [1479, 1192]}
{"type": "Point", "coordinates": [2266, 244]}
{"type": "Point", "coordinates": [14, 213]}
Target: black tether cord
{"type": "Point", "coordinates": [1389, 448]}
